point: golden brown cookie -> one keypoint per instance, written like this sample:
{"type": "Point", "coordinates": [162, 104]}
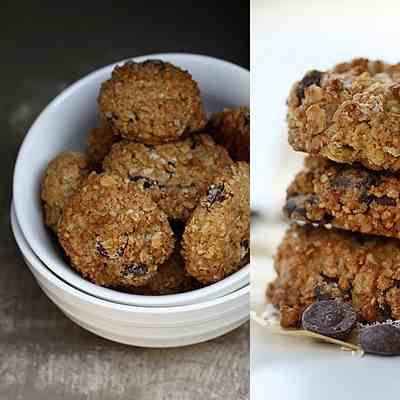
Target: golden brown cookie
{"type": "Point", "coordinates": [99, 143]}
{"type": "Point", "coordinates": [349, 114]}
{"type": "Point", "coordinates": [231, 129]}
{"type": "Point", "coordinates": [345, 196]}
{"type": "Point", "coordinates": [216, 238]}
{"type": "Point", "coordinates": [318, 263]}
{"type": "Point", "coordinates": [113, 233]}
{"type": "Point", "coordinates": [151, 102]}
{"type": "Point", "coordinates": [61, 179]}
{"type": "Point", "coordinates": [174, 174]}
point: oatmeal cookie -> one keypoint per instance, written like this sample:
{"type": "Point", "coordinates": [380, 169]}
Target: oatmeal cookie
{"type": "Point", "coordinates": [99, 143]}
{"type": "Point", "coordinates": [216, 238]}
{"type": "Point", "coordinates": [317, 263]}
{"type": "Point", "coordinates": [349, 114]}
{"type": "Point", "coordinates": [231, 129]}
{"type": "Point", "coordinates": [61, 179]}
{"type": "Point", "coordinates": [151, 102]}
{"type": "Point", "coordinates": [346, 196]}
{"type": "Point", "coordinates": [113, 233]}
{"type": "Point", "coordinates": [175, 174]}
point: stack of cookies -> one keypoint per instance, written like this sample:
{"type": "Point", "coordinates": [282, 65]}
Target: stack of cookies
{"type": "Point", "coordinates": [159, 204]}
{"type": "Point", "coordinates": [348, 195]}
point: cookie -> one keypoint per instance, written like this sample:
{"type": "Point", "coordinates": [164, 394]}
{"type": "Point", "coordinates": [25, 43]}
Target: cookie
{"type": "Point", "coordinates": [231, 129]}
{"type": "Point", "coordinates": [151, 102]}
{"type": "Point", "coordinates": [345, 196]}
{"type": "Point", "coordinates": [314, 263]}
{"type": "Point", "coordinates": [175, 174]}
{"type": "Point", "coordinates": [216, 237]}
{"type": "Point", "coordinates": [349, 114]}
{"type": "Point", "coordinates": [61, 179]}
{"type": "Point", "coordinates": [113, 233]}
{"type": "Point", "coordinates": [99, 143]}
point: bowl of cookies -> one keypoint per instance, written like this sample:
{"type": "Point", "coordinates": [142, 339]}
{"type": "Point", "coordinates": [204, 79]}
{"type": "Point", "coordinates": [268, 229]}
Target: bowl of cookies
{"type": "Point", "coordinates": [138, 195]}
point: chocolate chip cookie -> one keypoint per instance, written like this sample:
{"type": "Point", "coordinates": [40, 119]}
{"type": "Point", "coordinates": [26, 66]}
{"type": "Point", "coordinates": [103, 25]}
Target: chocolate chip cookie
{"type": "Point", "coordinates": [231, 129]}
{"type": "Point", "coordinates": [151, 102]}
{"type": "Point", "coordinates": [346, 196]}
{"type": "Point", "coordinates": [175, 174]}
{"type": "Point", "coordinates": [216, 238]}
{"type": "Point", "coordinates": [113, 233]}
{"type": "Point", "coordinates": [349, 114]}
{"type": "Point", "coordinates": [63, 176]}
{"type": "Point", "coordinates": [317, 263]}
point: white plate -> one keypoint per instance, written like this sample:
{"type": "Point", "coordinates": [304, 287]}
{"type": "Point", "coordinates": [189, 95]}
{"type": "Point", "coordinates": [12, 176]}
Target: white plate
{"type": "Point", "coordinates": [64, 125]}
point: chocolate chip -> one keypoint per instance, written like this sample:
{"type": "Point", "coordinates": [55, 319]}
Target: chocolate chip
{"type": "Point", "coordinates": [193, 144]}
{"type": "Point", "coordinates": [385, 201]}
{"type": "Point", "coordinates": [156, 63]}
{"type": "Point", "coordinates": [134, 270]}
{"type": "Point", "coordinates": [244, 244]}
{"type": "Point", "coordinates": [216, 194]}
{"type": "Point", "coordinates": [311, 78]}
{"type": "Point", "coordinates": [246, 117]}
{"type": "Point", "coordinates": [292, 207]}
{"type": "Point", "coordinates": [341, 181]}
{"type": "Point", "coordinates": [383, 340]}
{"type": "Point", "coordinates": [333, 318]}
{"type": "Point", "coordinates": [118, 253]}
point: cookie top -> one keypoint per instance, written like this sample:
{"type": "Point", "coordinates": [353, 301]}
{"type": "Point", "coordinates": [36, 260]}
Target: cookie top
{"type": "Point", "coordinates": [61, 179]}
{"type": "Point", "coordinates": [113, 233]}
{"type": "Point", "coordinates": [99, 143]}
{"type": "Point", "coordinates": [216, 237]}
{"type": "Point", "coordinates": [318, 263]}
{"type": "Point", "coordinates": [349, 114]}
{"type": "Point", "coordinates": [346, 196]}
{"type": "Point", "coordinates": [231, 129]}
{"type": "Point", "coordinates": [151, 102]}
{"type": "Point", "coordinates": [175, 174]}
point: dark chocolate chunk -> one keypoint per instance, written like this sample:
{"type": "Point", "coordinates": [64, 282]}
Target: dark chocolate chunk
{"type": "Point", "coordinates": [385, 201]}
{"type": "Point", "coordinates": [311, 78]}
{"type": "Point", "coordinates": [383, 340]}
{"type": "Point", "coordinates": [246, 117]}
{"type": "Point", "coordinates": [333, 318]}
{"type": "Point", "coordinates": [216, 194]}
{"type": "Point", "coordinates": [118, 253]}
{"type": "Point", "coordinates": [101, 249]}
{"type": "Point", "coordinates": [296, 209]}
{"type": "Point", "coordinates": [134, 270]}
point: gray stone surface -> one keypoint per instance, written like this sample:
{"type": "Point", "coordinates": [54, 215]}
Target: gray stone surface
{"type": "Point", "coordinates": [43, 355]}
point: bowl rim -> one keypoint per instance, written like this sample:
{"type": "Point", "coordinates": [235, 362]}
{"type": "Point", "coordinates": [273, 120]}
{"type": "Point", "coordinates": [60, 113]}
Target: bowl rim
{"type": "Point", "coordinates": [236, 280]}
{"type": "Point", "coordinates": [43, 270]}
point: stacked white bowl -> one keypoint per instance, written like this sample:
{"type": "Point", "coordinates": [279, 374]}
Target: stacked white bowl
{"type": "Point", "coordinates": [153, 321]}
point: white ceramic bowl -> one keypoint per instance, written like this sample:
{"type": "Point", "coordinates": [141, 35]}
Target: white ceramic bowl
{"type": "Point", "coordinates": [64, 125]}
{"type": "Point", "coordinates": [139, 326]}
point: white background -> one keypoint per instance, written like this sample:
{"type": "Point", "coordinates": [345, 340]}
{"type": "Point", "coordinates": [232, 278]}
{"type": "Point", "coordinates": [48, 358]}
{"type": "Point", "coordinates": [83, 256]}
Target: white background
{"type": "Point", "coordinates": [289, 37]}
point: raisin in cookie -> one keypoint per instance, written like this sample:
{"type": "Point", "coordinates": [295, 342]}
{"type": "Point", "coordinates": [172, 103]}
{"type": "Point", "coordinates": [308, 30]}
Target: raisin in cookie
{"type": "Point", "coordinates": [231, 129]}
{"type": "Point", "coordinates": [151, 102]}
{"type": "Point", "coordinates": [216, 238]}
{"type": "Point", "coordinates": [346, 196]}
{"type": "Point", "coordinates": [61, 179]}
{"type": "Point", "coordinates": [350, 113]}
{"type": "Point", "coordinates": [114, 234]}
{"type": "Point", "coordinates": [175, 174]}
{"type": "Point", "coordinates": [318, 263]}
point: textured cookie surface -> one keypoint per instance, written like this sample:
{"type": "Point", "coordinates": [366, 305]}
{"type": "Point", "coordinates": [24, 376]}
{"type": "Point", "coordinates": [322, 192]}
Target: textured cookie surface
{"type": "Point", "coordinates": [216, 238]}
{"type": "Point", "coordinates": [63, 176]}
{"type": "Point", "coordinates": [174, 174]}
{"type": "Point", "coordinates": [231, 129]}
{"type": "Point", "coordinates": [151, 102]}
{"type": "Point", "coordinates": [318, 263]}
{"type": "Point", "coordinates": [114, 234]}
{"type": "Point", "coordinates": [99, 143]}
{"type": "Point", "coordinates": [349, 114]}
{"type": "Point", "coordinates": [346, 196]}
